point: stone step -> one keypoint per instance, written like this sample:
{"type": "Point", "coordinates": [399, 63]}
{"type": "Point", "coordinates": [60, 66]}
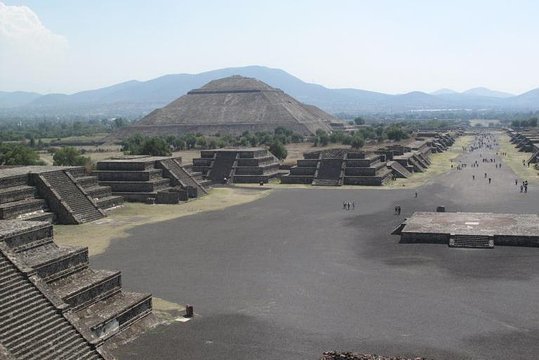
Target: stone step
{"type": "Point", "coordinates": [44, 216]}
{"type": "Point", "coordinates": [108, 316]}
{"type": "Point", "coordinates": [10, 306]}
{"type": "Point", "coordinates": [471, 241]}
{"type": "Point", "coordinates": [110, 201]}
{"type": "Point", "coordinates": [87, 286]}
{"type": "Point", "coordinates": [9, 301]}
{"type": "Point", "coordinates": [14, 209]}
{"type": "Point", "coordinates": [21, 322]}
{"type": "Point", "coordinates": [87, 181]}
{"type": "Point", "coordinates": [81, 207]}
{"type": "Point", "coordinates": [137, 186]}
{"type": "Point", "coordinates": [17, 193]}
{"type": "Point", "coordinates": [33, 244]}
{"type": "Point", "coordinates": [52, 262]}
{"type": "Point", "coordinates": [98, 191]}
{"type": "Point", "coordinates": [28, 233]}
{"type": "Point", "coordinates": [29, 332]}
{"type": "Point", "coordinates": [47, 341]}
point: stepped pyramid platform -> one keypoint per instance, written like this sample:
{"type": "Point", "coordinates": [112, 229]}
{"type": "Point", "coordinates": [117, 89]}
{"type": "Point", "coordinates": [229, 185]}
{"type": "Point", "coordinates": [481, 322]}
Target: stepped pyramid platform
{"type": "Point", "coordinates": [231, 105]}
{"type": "Point", "coordinates": [247, 165]}
{"type": "Point", "coordinates": [92, 300]}
{"type": "Point", "coordinates": [473, 230]}
{"type": "Point", "coordinates": [338, 167]}
{"type": "Point", "coordinates": [161, 179]}
{"type": "Point", "coordinates": [52, 194]}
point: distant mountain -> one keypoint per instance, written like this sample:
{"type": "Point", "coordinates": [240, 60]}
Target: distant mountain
{"type": "Point", "coordinates": [482, 91]}
{"type": "Point", "coordinates": [137, 98]}
{"type": "Point", "coordinates": [444, 92]}
{"type": "Point", "coordinates": [16, 98]}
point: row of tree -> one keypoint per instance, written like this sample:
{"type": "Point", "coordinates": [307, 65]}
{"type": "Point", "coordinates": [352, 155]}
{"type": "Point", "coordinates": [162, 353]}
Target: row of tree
{"type": "Point", "coordinates": [532, 122]}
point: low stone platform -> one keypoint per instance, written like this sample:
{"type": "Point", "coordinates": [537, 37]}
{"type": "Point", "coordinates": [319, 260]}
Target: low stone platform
{"type": "Point", "coordinates": [246, 165]}
{"type": "Point", "coordinates": [470, 229]}
{"type": "Point", "coordinates": [161, 179]}
{"type": "Point", "coordinates": [53, 194]}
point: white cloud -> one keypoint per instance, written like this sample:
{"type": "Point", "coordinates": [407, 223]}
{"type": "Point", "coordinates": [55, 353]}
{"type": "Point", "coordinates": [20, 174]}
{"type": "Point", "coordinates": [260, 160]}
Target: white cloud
{"type": "Point", "coordinates": [30, 54]}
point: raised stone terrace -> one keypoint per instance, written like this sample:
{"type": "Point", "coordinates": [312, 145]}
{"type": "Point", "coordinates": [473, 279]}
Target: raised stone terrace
{"type": "Point", "coordinates": [248, 165]}
{"type": "Point", "coordinates": [158, 179]}
{"type": "Point", "coordinates": [526, 141]}
{"type": "Point", "coordinates": [463, 229]}
{"type": "Point", "coordinates": [337, 167]}
{"type": "Point", "coordinates": [93, 301]}
{"type": "Point", "coordinates": [59, 194]}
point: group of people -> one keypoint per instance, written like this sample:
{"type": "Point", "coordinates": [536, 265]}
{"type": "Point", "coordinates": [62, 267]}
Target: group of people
{"type": "Point", "coordinates": [347, 205]}
{"type": "Point", "coordinates": [523, 186]}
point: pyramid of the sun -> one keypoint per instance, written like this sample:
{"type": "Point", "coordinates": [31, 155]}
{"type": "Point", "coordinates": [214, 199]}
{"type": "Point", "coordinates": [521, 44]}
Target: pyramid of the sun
{"type": "Point", "coordinates": [232, 105]}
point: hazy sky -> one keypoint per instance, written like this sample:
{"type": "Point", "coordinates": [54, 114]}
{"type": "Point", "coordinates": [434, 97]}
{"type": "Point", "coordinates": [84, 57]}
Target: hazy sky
{"type": "Point", "coordinates": [381, 45]}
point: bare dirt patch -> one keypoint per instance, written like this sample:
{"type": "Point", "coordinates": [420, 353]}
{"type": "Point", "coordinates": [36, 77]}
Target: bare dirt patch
{"type": "Point", "coordinates": [98, 235]}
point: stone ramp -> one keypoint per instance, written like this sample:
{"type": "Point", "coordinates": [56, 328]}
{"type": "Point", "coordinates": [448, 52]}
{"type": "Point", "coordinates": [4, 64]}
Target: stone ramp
{"type": "Point", "coordinates": [398, 169]}
{"type": "Point", "coordinates": [31, 326]}
{"type": "Point", "coordinates": [182, 177]}
{"type": "Point", "coordinates": [70, 198]}
{"type": "Point", "coordinates": [471, 241]}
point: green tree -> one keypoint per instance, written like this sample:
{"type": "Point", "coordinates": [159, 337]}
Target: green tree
{"type": "Point", "coordinates": [18, 154]}
{"type": "Point", "coordinates": [155, 146]}
{"type": "Point", "coordinates": [278, 149]}
{"type": "Point", "coordinates": [359, 121]}
{"type": "Point", "coordinates": [69, 156]}
{"type": "Point", "coordinates": [357, 141]}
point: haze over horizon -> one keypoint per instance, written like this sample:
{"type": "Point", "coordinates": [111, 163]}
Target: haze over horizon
{"type": "Point", "coordinates": [384, 46]}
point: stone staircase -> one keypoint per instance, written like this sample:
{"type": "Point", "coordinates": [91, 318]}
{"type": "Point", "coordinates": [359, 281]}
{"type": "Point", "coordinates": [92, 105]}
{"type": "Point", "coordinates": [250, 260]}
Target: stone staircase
{"type": "Point", "coordinates": [95, 299]}
{"type": "Point", "coordinates": [222, 166]}
{"type": "Point", "coordinates": [102, 195]}
{"type": "Point", "coordinates": [31, 327]}
{"type": "Point", "coordinates": [471, 241]}
{"type": "Point", "coordinates": [182, 177]}
{"type": "Point", "coordinates": [398, 169]}
{"type": "Point", "coordinates": [71, 197]}
{"type": "Point", "coordinates": [329, 172]}
{"type": "Point", "coordinates": [19, 200]}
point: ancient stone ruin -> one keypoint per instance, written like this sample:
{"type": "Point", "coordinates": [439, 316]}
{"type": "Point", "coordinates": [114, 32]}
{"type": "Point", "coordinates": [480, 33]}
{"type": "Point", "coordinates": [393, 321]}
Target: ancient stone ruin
{"type": "Point", "coordinates": [66, 195]}
{"type": "Point", "coordinates": [231, 105]}
{"type": "Point", "coordinates": [526, 141]}
{"type": "Point", "coordinates": [160, 179]}
{"type": "Point", "coordinates": [251, 165]}
{"type": "Point", "coordinates": [54, 303]}
{"type": "Point", "coordinates": [470, 230]}
{"type": "Point", "coordinates": [337, 167]}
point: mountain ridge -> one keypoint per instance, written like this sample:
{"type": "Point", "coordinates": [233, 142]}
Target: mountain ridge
{"type": "Point", "coordinates": [140, 97]}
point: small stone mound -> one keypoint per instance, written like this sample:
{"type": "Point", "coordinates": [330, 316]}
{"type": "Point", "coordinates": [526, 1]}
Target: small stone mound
{"type": "Point", "coordinates": [334, 355]}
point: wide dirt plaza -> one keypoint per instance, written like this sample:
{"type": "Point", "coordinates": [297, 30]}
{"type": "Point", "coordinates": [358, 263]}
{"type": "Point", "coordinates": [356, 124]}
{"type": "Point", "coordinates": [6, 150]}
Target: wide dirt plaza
{"type": "Point", "coordinates": [293, 274]}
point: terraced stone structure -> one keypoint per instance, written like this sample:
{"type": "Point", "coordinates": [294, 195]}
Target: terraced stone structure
{"type": "Point", "coordinates": [53, 304]}
{"type": "Point", "coordinates": [231, 105]}
{"type": "Point", "coordinates": [248, 165]}
{"type": "Point", "coordinates": [65, 195]}
{"type": "Point", "coordinates": [526, 141]}
{"type": "Point", "coordinates": [161, 179]}
{"type": "Point", "coordinates": [338, 167]}
{"type": "Point", "coordinates": [470, 230]}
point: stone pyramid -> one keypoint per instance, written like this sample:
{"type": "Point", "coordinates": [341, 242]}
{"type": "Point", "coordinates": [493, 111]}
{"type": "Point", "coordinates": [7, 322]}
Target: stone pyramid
{"type": "Point", "coordinates": [232, 105]}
